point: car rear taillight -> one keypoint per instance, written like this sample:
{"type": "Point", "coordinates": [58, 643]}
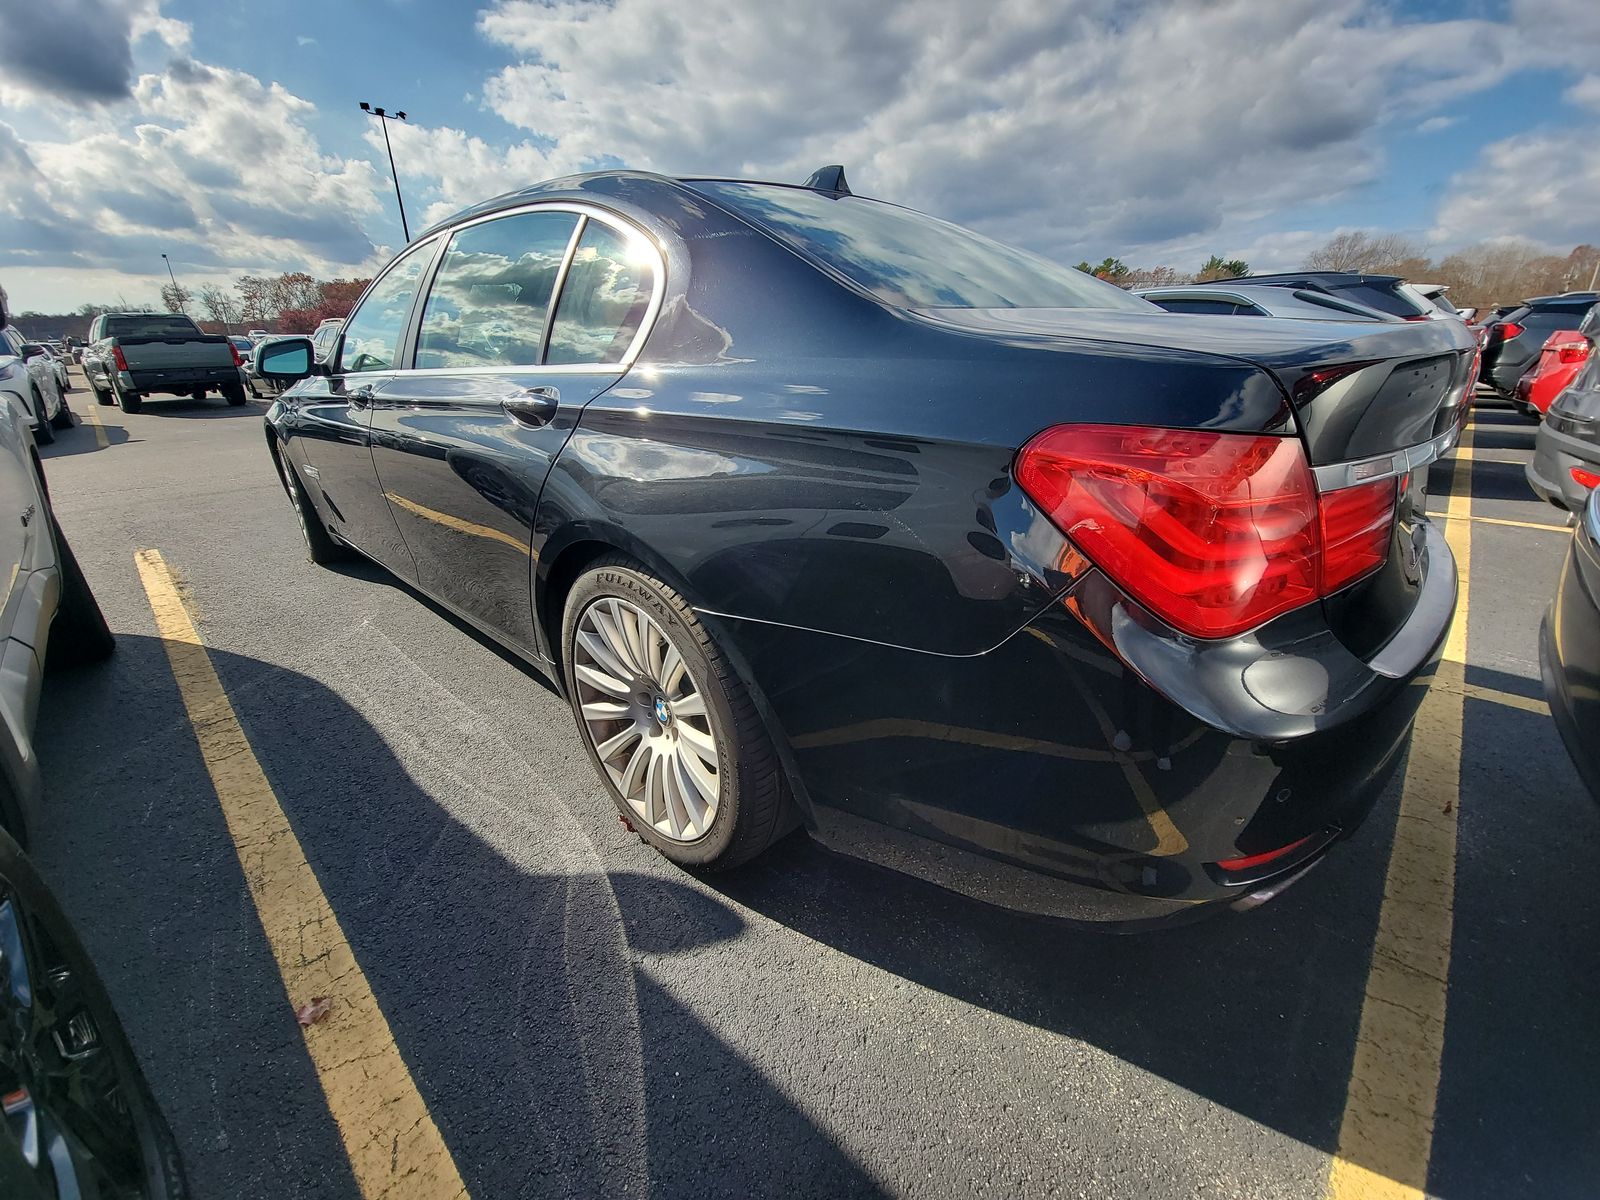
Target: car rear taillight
{"type": "Point", "coordinates": [237, 361]}
{"type": "Point", "coordinates": [1357, 526]}
{"type": "Point", "coordinates": [1587, 479]}
{"type": "Point", "coordinates": [1215, 533]}
{"type": "Point", "coordinates": [116, 357]}
{"type": "Point", "coordinates": [1260, 860]}
{"type": "Point", "coordinates": [1504, 331]}
{"type": "Point", "coordinates": [1572, 352]}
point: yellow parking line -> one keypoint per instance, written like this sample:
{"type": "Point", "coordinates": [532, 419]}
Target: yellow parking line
{"type": "Point", "coordinates": [1495, 696]}
{"type": "Point", "coordinates": [395, 1149]}
{"type": "Point", "coordinates": [457, 523]}
{"type": "Point", "coordinates": [93, 417]}
{"type": "Point", "coordinates": [1386, 1136]}
{"type": "Point", "coordinates": [1544, 525]}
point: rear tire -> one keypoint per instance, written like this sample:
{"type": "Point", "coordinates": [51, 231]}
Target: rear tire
{"type": "Point", "coordinates": [698, 814]}
{"type": "Point", "coordinates": [320, 546]}
{"type": "Point", "coordinates": [79, 633]}
{"type": "Point", "coordinates": [234, 394]}
{"type": "Point", "coordinates": [102, 396]}
{"type": "Point", "coordinates": [130, 402]}
{"type": "Point", "coordinates": [63, 418]}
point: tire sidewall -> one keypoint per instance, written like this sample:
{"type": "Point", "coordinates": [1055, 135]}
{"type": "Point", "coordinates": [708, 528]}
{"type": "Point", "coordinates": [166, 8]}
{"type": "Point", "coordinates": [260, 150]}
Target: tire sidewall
{"type": "Point", "coordinates": [626, 583]}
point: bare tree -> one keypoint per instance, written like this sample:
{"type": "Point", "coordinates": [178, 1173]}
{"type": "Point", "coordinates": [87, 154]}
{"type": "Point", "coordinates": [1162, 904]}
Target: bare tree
{"type": "Point", "coordinates": [1149, 277]}
{"type": "Point", "coordinates": [1367, 252]}
{"type": "Point", "coordinates": [219, 305]}
{"type": "Point", "coordinates": [176, 297]}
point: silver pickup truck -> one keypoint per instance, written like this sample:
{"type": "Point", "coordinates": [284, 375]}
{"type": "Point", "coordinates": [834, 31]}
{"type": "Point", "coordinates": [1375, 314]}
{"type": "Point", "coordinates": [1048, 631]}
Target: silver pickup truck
{"type": "Point", "coordinates": [133, 355]}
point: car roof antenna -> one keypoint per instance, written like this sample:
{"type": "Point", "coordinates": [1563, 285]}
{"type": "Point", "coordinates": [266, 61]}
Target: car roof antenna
{"type": "Point", "coordinates": [830, 179]}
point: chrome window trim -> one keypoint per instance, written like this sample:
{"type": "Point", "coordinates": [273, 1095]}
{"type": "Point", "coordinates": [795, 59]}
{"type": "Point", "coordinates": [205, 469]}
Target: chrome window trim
{"type": "Point", "coordinates": [584, 213]}
{"type": "Point", "coordinates": [1335, 476]}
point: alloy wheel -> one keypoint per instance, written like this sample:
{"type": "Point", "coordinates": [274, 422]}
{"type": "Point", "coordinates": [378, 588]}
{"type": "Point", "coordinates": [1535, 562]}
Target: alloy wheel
{"type": "Point", "coordinates": [647, 719]}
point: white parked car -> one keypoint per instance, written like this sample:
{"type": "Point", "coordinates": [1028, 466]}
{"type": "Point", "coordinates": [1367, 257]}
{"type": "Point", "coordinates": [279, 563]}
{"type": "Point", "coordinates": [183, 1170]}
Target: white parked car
{"type": "Point", "coordinates": [24, 363]}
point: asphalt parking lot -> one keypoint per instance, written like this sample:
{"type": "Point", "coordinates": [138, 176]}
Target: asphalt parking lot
{"type": "Point", "coordinates": [579, 1018]}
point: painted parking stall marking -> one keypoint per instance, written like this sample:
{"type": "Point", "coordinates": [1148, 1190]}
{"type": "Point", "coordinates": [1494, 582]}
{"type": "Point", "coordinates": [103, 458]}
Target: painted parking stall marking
{"type": "Point", "coordinates": [1386, 1136]}
{"type": "Point", "coordinates": [394, 1147]}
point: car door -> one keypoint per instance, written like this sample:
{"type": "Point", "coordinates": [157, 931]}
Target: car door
{"type": "Point", "coordinates": [336, 412]}
{"type": "Point", "coordinates": [529, 316]}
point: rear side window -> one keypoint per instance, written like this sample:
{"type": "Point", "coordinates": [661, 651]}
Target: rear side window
{"type": "Point", "coordinates": [491, 295]}
{"type": "Point", "coordinates": [910, 259]}
{"type": "Point", "coordinates": [372, 334]}
{"type": "Point", "coordinates": [1223, 308]}
{"type": "Point", "coordinates": [155, 325]}
{"type": "Point", "coordinates": [603, 299]}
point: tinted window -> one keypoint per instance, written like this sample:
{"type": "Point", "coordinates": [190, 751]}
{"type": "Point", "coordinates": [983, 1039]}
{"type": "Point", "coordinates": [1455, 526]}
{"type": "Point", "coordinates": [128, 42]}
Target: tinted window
{"type": "Point", "coordinates": [1383, 299]}
{"type": "Point", "coordinates": [372, 334]}
{"type": "Point", "coordinates": [154, 325]}
{"type": "Point", "coordinates": [603, 300]}
{"type": "Point", "coordinates": [490, 297]}
{"type": "Point", "coordinates": [1224, 308]}
{"type": "Point", "coordinates": [913, 260]}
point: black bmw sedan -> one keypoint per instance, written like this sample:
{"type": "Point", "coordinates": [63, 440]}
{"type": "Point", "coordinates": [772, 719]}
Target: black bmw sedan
{"type": "Point", "coordinates": [824, 512]}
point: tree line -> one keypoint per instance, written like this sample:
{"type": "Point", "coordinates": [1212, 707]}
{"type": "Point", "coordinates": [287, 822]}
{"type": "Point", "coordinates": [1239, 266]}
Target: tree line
{"type": "Point", "coordinates": [1482, 275]}
{"type": "Point", "coordinates": [293, 302]}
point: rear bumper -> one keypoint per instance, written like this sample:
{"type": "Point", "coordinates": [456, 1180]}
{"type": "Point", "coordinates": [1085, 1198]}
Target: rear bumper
{"type": "Point", "coordinates": [1549, 473]}
{"type": "Point", "coordinates": [1096, 766]}
{"type": "Point", "coordinates": [177, 380]}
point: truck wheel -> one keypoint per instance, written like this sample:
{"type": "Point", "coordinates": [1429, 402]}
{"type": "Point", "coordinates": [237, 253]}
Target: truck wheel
{"type": "Point", "coordinates": [43, 435]}
{"type": "Point", "coordinates": [233, 393]}
{"type": "Point", "coordinates": [80, 633]}
{"type": "Point", "coordinates": [198, 394]}
{"type": "Point", "coordinates": [102, 396]}
{"type": "Point", "coordinates": [130, 402]}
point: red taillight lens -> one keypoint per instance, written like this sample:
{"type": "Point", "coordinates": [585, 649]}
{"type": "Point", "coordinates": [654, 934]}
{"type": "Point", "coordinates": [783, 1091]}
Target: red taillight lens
{"type": "Point", "coordinates": [1505, 331]}
{"type": "Point", "coordinates": [1584, 478]}
{"type": "Point", "coordinates": [1357, 526]}
{"type": "Point", "coordinates": [1572, 352]}
{"type": "Point", "coordinates": [1215, 533]}
{"type": "Point", "coordinates": [237, 361]}
{"type": "Point", "coordinates": [1261, 860]}
{"type": "Point", "coordinates": [116, 357]}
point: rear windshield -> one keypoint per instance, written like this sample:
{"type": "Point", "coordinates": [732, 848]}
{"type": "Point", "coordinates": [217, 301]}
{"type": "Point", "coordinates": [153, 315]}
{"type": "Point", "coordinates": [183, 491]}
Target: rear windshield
{"type": "Point", "coordinates": [913, 260]}
{"type": "Point", "coordinates": [1385, 299]}
{"type": "Point", "coordinates": [154, 325]}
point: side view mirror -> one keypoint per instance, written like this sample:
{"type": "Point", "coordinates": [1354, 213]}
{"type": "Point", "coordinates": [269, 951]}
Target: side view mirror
{"type": "Point", "coordinates": [32, 350]}
{"type": "Point", "coordinates": [285, 362]}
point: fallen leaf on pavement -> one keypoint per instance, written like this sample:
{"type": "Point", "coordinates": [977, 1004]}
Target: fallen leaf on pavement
{"type": "Point", "coordinates": [310, 1014]}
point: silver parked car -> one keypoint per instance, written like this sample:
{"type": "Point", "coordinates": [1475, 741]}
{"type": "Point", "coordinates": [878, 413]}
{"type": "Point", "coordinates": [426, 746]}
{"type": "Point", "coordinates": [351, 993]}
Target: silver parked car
{"type": "Point", "coordinates": [1260, 300]}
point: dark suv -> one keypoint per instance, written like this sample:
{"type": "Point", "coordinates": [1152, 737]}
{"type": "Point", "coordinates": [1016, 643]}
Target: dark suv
{"type": "Point", "coordinates": [1514, 340]}
{"type": "Point", "coordinates": [1386, 293]}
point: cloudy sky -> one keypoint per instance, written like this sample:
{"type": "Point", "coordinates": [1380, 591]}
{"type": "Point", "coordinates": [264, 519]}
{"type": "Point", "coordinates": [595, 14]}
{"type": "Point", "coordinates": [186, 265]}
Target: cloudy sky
{"type": "Point", "coordinates": [228, 136]}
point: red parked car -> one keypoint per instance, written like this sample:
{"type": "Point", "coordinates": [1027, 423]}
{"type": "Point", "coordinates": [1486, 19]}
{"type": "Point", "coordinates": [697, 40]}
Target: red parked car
{"type": "Point", "coordinates": [1563, 355]}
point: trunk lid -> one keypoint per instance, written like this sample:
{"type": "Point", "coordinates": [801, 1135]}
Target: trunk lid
{"type": "Point", "coordinates": [1374, 402]}
{"type": "Point", "coordinates": [163, 354]}
{"type": "Point", "coordinates": [1359, 389]}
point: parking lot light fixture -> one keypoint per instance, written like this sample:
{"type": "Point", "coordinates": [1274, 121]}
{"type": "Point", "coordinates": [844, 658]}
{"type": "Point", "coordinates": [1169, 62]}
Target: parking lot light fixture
{"type": "Point", "coordinates": [384, 117]}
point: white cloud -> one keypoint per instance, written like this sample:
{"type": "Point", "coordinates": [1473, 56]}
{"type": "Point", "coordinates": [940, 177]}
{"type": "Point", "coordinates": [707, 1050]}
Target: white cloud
{"type": "Point", "coordinates": [1437, 124]}
{"type": "Point", "coordinates": [1073, 129]}
{"type": "Point", "coordinates": [211, 166]}
{"type": "Point", "coordinates": [1585, 93]}
{"type": "Point", "coordinates": [304, 40]}
{"type": "Point", "coordinates": [1540, 187]}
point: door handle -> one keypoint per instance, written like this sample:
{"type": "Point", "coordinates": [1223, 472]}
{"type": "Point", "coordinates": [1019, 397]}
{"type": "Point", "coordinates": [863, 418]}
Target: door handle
{"type": "Point", "coordinates": [360, 397]}
{"type": "Point", "coordinates": [535, 406]}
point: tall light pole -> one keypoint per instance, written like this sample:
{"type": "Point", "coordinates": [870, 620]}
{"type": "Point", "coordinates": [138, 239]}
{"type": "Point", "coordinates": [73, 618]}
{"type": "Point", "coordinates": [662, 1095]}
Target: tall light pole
{"type": "Point", "coordinates": [177, 292]}
{"type": "Point", "coordinates": [383, 119]}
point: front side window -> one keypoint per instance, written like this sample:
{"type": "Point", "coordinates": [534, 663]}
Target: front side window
{"type": "Point", "coordinates": [604, 298]}
{"type": "Point", "coordinates": [491, 294]}
{"type": "Point", "coordinates": [373, 332]}
{"type": "Point", "coordinates": [910, 259]}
